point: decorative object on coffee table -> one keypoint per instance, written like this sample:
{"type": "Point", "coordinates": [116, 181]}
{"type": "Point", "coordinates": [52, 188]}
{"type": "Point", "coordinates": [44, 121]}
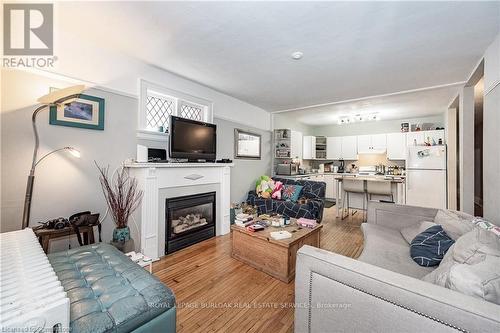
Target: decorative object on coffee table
{"type": "Point", "coordinates": [123, 198]}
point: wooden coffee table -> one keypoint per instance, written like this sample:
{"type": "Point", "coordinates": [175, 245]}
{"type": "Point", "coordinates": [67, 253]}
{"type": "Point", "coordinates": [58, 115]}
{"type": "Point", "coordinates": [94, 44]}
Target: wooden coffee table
{"type": "Point", "coordinates": [274, 257]}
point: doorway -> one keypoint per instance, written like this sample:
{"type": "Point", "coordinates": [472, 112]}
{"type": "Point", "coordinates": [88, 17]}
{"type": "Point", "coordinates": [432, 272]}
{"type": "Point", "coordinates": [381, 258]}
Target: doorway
{"type": "Point", "coordinates": [478, 147]}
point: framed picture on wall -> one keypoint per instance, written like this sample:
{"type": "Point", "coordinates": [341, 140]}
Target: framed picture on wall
{"type": "Point", "coordinates": [83, 112]}
{"type": "Point", "coordinates": [247, 145]}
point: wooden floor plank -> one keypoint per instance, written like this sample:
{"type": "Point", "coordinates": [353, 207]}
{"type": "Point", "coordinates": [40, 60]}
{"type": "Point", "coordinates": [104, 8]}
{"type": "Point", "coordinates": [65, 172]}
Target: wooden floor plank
{"type": "Point", "coordinates": [216, 293]}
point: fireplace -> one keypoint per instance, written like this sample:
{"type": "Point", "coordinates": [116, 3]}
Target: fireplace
{"type": "Point", "coordinates": [189, 220]}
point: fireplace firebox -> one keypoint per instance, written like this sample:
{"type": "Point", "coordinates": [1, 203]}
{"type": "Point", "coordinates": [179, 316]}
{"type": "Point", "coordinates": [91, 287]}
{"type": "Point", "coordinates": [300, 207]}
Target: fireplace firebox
{"type": "Point", "coordinates": [188, 220]}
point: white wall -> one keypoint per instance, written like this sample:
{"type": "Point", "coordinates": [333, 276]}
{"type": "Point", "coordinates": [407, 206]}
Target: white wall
{"type": "Point", "coordinates": [491, 133]}
{"type": "Point", "coordinates": [245, 172]}
{"type": "Point", "coordinates": [285, 120]}
{"type": "Point", "coordinates": [466, 156]}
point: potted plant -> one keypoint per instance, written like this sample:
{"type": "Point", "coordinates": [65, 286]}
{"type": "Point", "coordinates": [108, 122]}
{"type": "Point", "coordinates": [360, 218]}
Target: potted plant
{"type": "Point", "coordinates": [122, 198]}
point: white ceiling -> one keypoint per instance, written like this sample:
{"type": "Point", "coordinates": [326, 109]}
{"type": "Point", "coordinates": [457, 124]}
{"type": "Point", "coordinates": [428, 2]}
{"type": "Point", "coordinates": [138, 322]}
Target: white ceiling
{"type": "Point", "coordinates": [351, 50]}
{"type": "Point", "coordinates": [400, 106]}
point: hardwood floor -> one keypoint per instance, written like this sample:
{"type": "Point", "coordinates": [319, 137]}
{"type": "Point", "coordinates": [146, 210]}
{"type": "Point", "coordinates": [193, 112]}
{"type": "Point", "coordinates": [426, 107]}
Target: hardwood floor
{"type": "Point", "coordinates": [216, 293]}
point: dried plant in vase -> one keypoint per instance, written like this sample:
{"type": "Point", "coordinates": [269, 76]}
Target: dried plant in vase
{"type": "Point", "coordinates": [122, 197]}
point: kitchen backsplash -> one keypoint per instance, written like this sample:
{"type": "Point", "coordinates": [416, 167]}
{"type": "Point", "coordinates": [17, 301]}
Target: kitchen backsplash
{"type": "Point", "coordinates": [364, 160]}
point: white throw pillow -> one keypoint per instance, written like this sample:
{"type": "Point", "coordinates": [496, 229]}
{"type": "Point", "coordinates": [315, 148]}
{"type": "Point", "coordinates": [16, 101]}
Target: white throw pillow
{"type": "Point", "coordinates": [410, 232]}
{"type": "Point", "coordinates": [479, 280]}
{"type": "Point", "coordinates": [455, 223]}
{"type": "Point", "coordinates": [471, 266]}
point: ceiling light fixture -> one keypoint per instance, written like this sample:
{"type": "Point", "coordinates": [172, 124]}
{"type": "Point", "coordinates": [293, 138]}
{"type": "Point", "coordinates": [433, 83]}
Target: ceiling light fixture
{"type": "Point", "coordinates": [297, 55]}
{"type": "Point", "coordinates": [358, 117]}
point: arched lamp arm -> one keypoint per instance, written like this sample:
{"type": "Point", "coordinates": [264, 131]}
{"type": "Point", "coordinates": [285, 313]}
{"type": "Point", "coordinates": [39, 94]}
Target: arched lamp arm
{"type": "Point", "coordinates": [35, 131]}
{"type": "Point", "coordinates": [50, 153]}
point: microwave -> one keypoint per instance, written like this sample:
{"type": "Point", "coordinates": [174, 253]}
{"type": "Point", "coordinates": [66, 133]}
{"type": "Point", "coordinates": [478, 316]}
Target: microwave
{"type": "Point", "coordinates": [288, 169]}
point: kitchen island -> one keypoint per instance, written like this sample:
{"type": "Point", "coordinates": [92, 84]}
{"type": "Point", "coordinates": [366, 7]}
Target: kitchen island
{"type": "Point", "coordinates": [397, 188]}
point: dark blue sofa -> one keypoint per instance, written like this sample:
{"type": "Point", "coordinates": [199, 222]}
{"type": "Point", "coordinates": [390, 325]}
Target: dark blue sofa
{"type": "Point", "coordinates": [313, 209]}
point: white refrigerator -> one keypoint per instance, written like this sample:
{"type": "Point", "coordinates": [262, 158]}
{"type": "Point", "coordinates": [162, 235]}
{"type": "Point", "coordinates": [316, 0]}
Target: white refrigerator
{"type": "Point", "coordinates": [426, 176]}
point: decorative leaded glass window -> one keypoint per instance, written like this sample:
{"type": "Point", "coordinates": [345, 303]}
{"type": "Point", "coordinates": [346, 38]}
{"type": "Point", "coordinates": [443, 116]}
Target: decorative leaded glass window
{"type": "Point", "coordinates": [191, 111]}
{"type": "Point", "coordinates": [158, 103]}
{"type": "Point", "coordinates": [158, 110]}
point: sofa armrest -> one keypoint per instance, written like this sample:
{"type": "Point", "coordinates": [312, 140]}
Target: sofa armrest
{"type": "Point", "coordinates": [398, 216]}
{"type": "Point", "coordinates": [337, 293]}
{"type": "Point", "coordinates": [318, 206]}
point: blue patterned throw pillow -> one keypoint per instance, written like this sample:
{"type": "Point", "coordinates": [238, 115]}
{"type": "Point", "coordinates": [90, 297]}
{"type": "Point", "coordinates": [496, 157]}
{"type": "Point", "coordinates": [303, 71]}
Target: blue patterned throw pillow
{"type": "Point", "coordinates": [429, 247]}
{"type": "Point", "coordinates": [291, 192]}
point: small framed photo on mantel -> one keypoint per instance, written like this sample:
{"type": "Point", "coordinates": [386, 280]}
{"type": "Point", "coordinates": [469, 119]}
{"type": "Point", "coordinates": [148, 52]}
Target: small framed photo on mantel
{"type": "Point", "coordinates": [83, 112]}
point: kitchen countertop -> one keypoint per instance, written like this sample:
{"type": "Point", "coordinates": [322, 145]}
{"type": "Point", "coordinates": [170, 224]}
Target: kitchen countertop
{"type": "Point", "coordinates": [340, 176]}
{"type": "Point", "coordinates": [376, 178]}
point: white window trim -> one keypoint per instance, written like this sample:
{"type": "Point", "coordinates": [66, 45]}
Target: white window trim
{"type": "Point", "coordinates": [146, 86]}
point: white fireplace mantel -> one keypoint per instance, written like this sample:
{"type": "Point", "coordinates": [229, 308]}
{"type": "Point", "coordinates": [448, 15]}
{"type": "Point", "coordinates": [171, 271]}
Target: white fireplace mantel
{"type": "Point", "coordinates": [156, 180]}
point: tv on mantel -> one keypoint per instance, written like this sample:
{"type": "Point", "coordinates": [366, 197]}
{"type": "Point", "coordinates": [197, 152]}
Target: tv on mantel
{"type": "Point", "coordinates": [193, 140]}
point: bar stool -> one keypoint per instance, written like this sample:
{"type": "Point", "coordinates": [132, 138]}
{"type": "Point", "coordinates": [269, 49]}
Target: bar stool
{"type": "Point", "coordinates": [379, 188]}
{"type": "Point", "coordinates": [353, 186]}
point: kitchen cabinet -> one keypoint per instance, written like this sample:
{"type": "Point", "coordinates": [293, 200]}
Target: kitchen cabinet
{"type": "Point", "coordinates": [379, 142]}
{"type": "Point", "coordinates": [287, 144]}
{"type": "Point", "coordinates": [396, 146]}
{"type": "Point", "coordinates": [337, 148]}
{"type": "Point", "coordinates": [349, 148]}
{"type": "Point", "coordinates": [309, 147]}
{"type": "Point", "coordinates": [330, 189]}
{"type": "Point", "coordinates": [321, 147]}
{"type": "Point", "coordinates": [296, 147]}
{"type": "Point", "coordinates": [370, 144]}
{"type": "Point", "coordinates": [334, 147]}
{"type": "Point", "coordinates": [364, 144]}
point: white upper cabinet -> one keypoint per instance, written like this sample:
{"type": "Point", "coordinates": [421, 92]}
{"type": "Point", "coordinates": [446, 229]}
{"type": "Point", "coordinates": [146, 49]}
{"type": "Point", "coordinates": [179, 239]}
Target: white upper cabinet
{"type": "Point", "coordinates": [379, 142]}
{"type": "Point", "coordinates": [296, 147]}
{"type": "Point", "coordinates": [309, 147]}
{"type": "Point", "coordinates": [421, 137]}
{"type": "Point", "coordinates": [372, 144]}
{"type": "Point", "coordinates": [396, 146]}
{"type": "Point", "coordinates": [349, 148]}
{"type": "Point", "coordinates": [364, 144]}
{"type": "Point", "coordinates": [334, 148]}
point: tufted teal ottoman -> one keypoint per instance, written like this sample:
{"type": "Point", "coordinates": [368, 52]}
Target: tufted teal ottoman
{"type": "Point", "coordinates": [110, 293]}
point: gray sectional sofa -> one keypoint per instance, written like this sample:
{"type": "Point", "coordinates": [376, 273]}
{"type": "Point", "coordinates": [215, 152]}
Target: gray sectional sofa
{"type": "Point", "coordinates": [384, 290]}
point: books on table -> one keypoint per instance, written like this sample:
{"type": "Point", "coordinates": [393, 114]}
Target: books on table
{"type": "Point", "coordinates": [307, 223]}
{"type": "Point", "coordinates": [243, 220]}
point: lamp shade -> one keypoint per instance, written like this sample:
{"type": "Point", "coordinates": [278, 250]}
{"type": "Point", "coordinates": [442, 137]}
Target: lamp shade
{"type": "Point", "coordinates": [61, 93]}
{"type": "Point", "coordinates": [73, 151]}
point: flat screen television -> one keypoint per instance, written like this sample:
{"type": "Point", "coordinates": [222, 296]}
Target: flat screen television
{"type": "Point", "coordinates": [192, 140]}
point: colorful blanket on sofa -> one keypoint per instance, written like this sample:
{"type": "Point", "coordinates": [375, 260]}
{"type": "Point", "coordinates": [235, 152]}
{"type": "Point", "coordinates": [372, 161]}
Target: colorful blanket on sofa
{"type": "Point", "coordinates": [312, 209]}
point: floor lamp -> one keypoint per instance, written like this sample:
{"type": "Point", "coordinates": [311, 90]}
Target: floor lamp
{"type": "Point", "coordinates": [55, 98]}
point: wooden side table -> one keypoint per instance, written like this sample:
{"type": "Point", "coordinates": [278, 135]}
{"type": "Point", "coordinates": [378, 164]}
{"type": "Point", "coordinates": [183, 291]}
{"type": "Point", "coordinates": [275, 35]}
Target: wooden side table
{"type": "Point", "coordinates": [45, 235]}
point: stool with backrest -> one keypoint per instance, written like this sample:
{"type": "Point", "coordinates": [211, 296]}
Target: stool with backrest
{"type": "Point", "coordinates": [379, 188]}
{"type": "Point", "coordinates": [352, 186]}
